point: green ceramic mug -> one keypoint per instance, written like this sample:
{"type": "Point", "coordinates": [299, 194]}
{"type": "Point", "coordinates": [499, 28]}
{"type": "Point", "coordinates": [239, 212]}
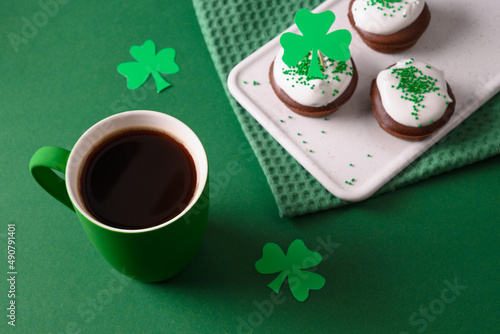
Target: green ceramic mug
{"type": "Point", "coordinates": [151, 254]}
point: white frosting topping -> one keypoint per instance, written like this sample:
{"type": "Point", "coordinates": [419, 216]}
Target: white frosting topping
{"type": "Point", "coordinates": [384, 17]}
{"type": "Point", "coordinates": [312, 92]}
{"type": "Point", "coordinates": [413, 93]}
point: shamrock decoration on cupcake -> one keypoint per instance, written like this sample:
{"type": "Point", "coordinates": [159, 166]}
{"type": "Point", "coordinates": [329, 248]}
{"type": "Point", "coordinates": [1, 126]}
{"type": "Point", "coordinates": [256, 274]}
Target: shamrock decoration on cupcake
{"type": "Point", "coordinates": [313, 73]}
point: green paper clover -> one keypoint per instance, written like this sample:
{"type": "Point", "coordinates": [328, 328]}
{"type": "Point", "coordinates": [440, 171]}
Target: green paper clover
{"type": "Point", "coordinates": [149, 63]}
{"type": "Point", "coordinates": [315, 37]}
{"type": "Point", "coordinates": [291, 266]}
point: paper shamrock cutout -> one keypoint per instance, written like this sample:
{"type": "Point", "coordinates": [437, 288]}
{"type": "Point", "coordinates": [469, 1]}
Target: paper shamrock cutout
{"type": "Point", "coordinates": [149, 63]}
{"type": "Point", "coordinates": [291, 266]}
{"type": "Point", "coordinates": [315, 37]}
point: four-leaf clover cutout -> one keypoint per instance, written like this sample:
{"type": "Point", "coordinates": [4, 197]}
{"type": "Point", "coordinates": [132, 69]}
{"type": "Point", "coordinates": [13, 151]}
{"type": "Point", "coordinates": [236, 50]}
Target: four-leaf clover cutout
{"type": "Point", "coordinates": [291, 266]}
{"type": "Point", "coordinates": [315, 37]}
{"type": "Point", "coordinates": [149, 63]}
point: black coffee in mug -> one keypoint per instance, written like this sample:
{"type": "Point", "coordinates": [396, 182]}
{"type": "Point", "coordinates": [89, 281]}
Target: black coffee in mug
{"type": "Point", "coordinates": [137, 178]}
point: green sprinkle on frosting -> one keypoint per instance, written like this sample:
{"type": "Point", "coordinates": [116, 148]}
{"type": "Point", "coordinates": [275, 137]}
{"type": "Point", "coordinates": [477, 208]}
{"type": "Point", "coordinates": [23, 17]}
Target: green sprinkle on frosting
{"type": "Point", "coordinates": [298, 73]}
{"type": "Point", "coordinates": [389, 4]}
{"type": "Point", "coordinates": [414, 85]}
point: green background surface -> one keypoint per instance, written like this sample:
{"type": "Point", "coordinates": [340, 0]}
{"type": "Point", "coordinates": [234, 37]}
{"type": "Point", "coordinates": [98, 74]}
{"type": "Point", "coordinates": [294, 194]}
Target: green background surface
{"type": "Point", "coordinates": [392, 254]}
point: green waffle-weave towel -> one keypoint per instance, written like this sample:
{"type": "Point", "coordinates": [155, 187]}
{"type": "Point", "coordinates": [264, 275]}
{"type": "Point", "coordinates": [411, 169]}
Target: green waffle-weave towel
{"type": "Point", "coordinates": [233, 29]}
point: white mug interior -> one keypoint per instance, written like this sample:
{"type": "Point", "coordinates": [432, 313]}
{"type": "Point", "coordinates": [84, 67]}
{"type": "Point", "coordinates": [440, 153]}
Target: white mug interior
{"type": "Point", "coordinates": [135, 119]}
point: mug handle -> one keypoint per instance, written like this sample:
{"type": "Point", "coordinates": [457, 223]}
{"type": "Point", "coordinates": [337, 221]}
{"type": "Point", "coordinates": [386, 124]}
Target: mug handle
{"type": "Point", "coordinates": [42, 164]}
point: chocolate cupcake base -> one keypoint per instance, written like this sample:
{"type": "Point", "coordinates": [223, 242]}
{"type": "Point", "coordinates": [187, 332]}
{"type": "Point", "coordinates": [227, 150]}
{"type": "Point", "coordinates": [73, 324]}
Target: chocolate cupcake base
{"type": "Point", "coordinates": [399, 41]}
{"type": "Point", "coordinates": [388, 124]}
{"type": "Point", "coordinates": [315, 111]}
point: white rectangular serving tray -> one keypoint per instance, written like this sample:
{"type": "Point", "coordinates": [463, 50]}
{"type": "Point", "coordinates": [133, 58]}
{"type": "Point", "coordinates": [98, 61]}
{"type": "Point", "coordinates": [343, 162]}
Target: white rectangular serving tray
{"type": "Point", "coordinates": [462, 40]}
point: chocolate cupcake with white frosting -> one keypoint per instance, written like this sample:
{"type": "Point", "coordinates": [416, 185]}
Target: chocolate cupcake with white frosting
{"type": "Point", "coordinates": [309, 96]}
{"type": "Point", "coordinates": [389, 26]}
{"type": "Point", "coordinates": [411, 99]}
